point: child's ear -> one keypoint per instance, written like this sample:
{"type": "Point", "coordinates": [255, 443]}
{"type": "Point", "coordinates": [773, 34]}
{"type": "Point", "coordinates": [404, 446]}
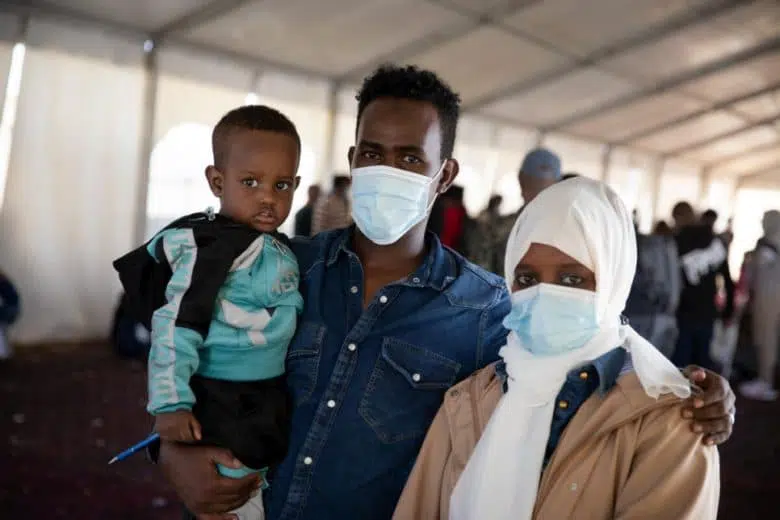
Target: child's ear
{"type": "Point", "coordinates": [297, 183]}
{"type": "Point", "coordinates": [216, 179]}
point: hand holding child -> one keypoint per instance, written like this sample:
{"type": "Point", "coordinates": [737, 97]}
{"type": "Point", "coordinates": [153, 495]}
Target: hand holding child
{"type": "Point", "coordinates": [178, 426]}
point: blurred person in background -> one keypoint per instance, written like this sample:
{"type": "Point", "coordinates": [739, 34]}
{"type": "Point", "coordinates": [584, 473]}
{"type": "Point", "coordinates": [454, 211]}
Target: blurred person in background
{"type": "Point", "coordinates": [728, 234]}
{"type": "Point", "coordinates": [663, 229]}
{"type": "Point", "coordinates": [703, 258]}
{"type": "Point", "coordinates": [709, 218]}
{"type": "Point", "coordinates": [333, 212]}
{"type": "Point", "coordinates": [655, 292]}
{"type": "Point", "coordinates": [303, 219]}
{"type": "Point", "coordinates": [456, 221]}
{"type": "Point", "coordinates": [539, 170]}
{"type": "Point", "coordinates": [765, 302]}
{"type": "Point", "coordinates": [9, 312]}
{"type": "Point", "coordinates": [482, 247]}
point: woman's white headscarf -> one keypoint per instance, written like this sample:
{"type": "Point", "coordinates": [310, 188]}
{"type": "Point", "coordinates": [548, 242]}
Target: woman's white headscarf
{"type": "Point", "coordinates": [586, 220]}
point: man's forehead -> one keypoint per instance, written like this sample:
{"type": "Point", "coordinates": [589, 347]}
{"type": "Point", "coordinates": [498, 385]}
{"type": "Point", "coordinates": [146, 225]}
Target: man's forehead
{"type": "Point", "coordinates": [400, 122]}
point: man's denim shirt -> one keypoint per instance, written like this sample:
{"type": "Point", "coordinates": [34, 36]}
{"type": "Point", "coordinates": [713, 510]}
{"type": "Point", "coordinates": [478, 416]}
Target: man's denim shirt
{"type": "Point", "coordinates": [366, 384]}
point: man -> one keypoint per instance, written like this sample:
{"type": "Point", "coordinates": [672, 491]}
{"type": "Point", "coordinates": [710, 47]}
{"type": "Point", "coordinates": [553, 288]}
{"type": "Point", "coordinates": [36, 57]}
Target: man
{"type": "Point", "coordinates": [709, 218]}
{"type": "Point", "coordinates": [540, 169]}
{"type": "Point", "coordinates": [486, 232]}
{"type": "Point", "coordinates": [703, 258]}
{"type": "Point", "coordinates": [655, 293]}
{"type": "Point", "coordinates": [333, 212]}
{"type": "Point", "coordinates": [303, 219]}
{"type": "Point", "coordinates": [391, 320]}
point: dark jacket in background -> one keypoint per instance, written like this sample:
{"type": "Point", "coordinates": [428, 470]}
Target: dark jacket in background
{"type": "Point", "coordinates": [703, 257]}
{"type": "Point", "coordinates": [303, 221]}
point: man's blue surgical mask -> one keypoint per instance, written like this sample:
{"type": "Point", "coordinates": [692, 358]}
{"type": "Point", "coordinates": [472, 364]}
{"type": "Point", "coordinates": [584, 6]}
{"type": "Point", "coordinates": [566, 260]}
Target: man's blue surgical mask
{"type": "Point", "coordinates": [551, 319]}
{"type": "Point", "coordinates": [387, 202]}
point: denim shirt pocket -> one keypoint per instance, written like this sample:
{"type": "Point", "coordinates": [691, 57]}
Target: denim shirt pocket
{"type": "Point", "coordinates": [303, 360]}
{"type": "Point", "coordinates": [405, 390]}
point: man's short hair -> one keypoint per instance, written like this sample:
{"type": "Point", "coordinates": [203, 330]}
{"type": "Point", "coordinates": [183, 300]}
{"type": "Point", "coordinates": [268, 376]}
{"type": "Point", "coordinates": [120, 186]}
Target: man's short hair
{"type": "Point", "coordinates": [710, 214]}
{"type": "Point", "coordinates": [682, 209]}
{"type": "Point", "coordinates": [413, 83]}
{"type": "Point", "coordinates": [250, 117]}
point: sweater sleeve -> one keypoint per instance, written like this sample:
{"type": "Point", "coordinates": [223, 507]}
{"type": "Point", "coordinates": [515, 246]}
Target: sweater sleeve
{"type": "Point", "coordinates": [180, 327]}
{"type": "Point", "coordinates": [673, 474]}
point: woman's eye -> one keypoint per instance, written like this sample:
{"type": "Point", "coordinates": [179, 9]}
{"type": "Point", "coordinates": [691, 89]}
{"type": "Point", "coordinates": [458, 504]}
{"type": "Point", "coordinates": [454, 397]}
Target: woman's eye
{"type": "Point", "coordinates": [411, 159]}
{"type": "Point", "coordinates": [572, 280]}
{"type": "Point", "coordinates": [370, 155]}
{"type": "Point", "coordinates": [283, 185]}
{"type": "Point", "coordinates": [524, 280]}
{"type": "Point", "coordinates": [250, 183]}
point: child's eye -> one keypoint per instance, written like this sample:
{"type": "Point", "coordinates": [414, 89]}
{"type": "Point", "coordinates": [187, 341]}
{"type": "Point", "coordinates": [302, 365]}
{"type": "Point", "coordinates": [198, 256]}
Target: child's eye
{"type": "Point", "coordinates": [283, 185]}
{"type": "Point", "coordinates": [250, 183]}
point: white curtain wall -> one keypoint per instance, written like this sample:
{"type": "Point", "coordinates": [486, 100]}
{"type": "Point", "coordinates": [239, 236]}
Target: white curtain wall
{"type": "Point", "coordinates": [70, 196]}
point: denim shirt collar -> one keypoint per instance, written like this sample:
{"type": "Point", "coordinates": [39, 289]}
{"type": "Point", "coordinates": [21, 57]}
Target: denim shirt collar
{"type": "Point", "coordinates": [437, 271]}
{"type": "Point", "coordinates": [609, 368]}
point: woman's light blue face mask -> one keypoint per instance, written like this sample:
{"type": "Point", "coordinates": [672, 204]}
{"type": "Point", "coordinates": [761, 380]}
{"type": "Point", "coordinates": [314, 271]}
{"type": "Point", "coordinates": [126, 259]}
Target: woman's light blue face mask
{"type": "Point", "coordinates": [553, 302]}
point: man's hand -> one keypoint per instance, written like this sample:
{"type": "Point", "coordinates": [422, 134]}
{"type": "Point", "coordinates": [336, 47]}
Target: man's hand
{"type": "Point", "coordinates": [192, 472]}
{"type": "Point", "coordinates": [713, 409]}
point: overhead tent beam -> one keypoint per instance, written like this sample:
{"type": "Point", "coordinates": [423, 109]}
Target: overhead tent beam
{"type": "Point", "coordinates": [439, 38]}
{"type": "Point", "coordinates": [699, 144]}
{"type": "Point", "coordinates": [650, 36]}
{"type": "Point", "coordinates": [199, 16]}
{"type": "Point", "coordinates": [699, 113]}
{"type": "Point", "coordinates": [148, 120]}
{"type": "Point", "coordinates": [774, 145]}
{"type": "Point", "coordinates": [763, 48]}
{"type": "Point", "coordinates": [63, 14]}
{"type": "Point", "coordinates": [758, 173]}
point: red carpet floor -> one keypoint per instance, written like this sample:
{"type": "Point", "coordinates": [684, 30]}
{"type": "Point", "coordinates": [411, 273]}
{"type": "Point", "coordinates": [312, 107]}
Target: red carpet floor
{"type": "Point", "coordinates": [64, 412]}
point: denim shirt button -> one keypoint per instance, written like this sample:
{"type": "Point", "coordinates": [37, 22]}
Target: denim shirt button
{"type": "Point", "coordinates": [353, 289]}
{"type": "Point", "coordinates": [383, 299]}
{"type": "Point", "coordinates": [308, 461]}
{"type": "Point", "coordinates": [331, 404]}
{"type": "Point", "coordinates": [416, 378]}
{"type": "Point", "coordinates": [352, 347]}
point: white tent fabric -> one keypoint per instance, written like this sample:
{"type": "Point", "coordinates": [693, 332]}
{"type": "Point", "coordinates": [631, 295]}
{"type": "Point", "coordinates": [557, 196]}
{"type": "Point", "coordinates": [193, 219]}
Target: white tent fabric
{"type": "Point", "coordinates": [71, 192]}
{"type": "Point", "coordinates": [80, 125]}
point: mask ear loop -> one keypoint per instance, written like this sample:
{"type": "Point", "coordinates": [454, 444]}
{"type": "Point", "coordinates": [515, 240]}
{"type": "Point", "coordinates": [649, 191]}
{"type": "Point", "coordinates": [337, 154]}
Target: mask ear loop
{"type": "Point", "coordinates": [436, 192]}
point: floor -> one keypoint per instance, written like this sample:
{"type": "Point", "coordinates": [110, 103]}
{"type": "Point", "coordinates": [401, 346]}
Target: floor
{"type": "Point", "coordinates": [65, 411]}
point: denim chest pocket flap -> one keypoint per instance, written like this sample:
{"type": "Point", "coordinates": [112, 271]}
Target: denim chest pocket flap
{"type": "Point", "coordinates": [405, 390]}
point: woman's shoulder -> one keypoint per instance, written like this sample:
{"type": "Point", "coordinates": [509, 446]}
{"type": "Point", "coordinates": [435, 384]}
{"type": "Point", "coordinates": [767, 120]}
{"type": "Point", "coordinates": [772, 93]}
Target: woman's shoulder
{"type": "Point", "coordinates": [632, 396]}
{"type": "Point", "coordinates": [477, 395]}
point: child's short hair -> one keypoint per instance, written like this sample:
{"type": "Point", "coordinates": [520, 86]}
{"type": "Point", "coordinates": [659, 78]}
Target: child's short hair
{"type": "Point", "coordinates": [250, 117]}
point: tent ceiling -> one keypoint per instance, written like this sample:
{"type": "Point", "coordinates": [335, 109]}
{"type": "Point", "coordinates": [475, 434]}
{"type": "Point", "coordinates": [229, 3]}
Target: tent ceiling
{"type": "Point", "coordinates": [699, 79]}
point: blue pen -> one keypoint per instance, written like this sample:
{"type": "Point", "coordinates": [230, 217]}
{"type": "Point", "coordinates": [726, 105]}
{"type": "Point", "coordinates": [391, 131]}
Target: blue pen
{"type": "Point", "coordinates": [135, 448]}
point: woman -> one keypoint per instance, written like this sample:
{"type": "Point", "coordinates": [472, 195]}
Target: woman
{"type": "Point", "coordinates": [613, 443]}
